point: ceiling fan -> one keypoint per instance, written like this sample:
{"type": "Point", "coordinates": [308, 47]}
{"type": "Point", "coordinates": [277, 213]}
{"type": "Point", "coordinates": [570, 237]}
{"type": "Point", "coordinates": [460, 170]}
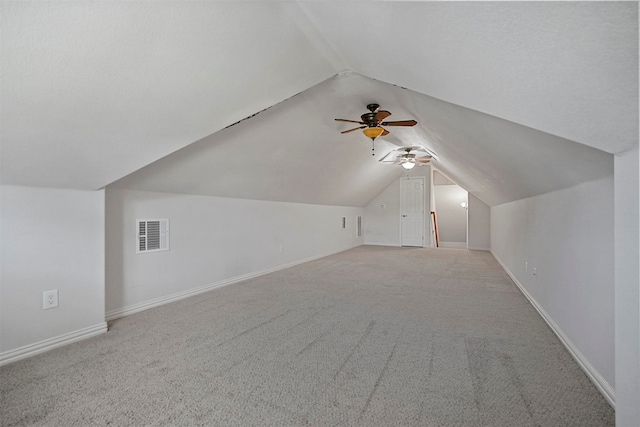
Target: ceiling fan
{"type": "Point", "coordinates": [408, 157]}
{"type": "Point", "coordinates": [372, 122]}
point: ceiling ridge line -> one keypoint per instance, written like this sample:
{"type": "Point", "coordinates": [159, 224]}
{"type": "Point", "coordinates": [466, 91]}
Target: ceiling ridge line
{"type": "Point", "coordinates": [324, 45]}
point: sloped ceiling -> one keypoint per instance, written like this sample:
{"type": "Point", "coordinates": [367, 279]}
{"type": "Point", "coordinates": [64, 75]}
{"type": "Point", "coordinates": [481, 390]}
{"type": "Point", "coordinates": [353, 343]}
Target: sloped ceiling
{"type": "Point", "coordinates": [495, 159]}
{"type": "Point", "coordinates": [566, 68]}
{"type": "Point", "coordinates": [291, 152]}
{"type": "Point", "coordinates": [511, 96]}
{"type": "Point", "coordinates": [92, 91]}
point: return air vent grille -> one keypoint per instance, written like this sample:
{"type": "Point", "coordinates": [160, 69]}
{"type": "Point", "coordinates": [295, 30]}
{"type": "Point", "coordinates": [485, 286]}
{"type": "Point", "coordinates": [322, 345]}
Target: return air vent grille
{"type": "Point", "coordinates": [152, 235]}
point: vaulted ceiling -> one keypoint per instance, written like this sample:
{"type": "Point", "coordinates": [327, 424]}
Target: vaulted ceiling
{"type": "Point", "coordinates": [516, 99]}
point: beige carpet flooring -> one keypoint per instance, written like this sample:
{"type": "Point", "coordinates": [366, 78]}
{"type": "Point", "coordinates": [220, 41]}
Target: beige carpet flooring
{"type": "Point", "coordinates": [374, 336]}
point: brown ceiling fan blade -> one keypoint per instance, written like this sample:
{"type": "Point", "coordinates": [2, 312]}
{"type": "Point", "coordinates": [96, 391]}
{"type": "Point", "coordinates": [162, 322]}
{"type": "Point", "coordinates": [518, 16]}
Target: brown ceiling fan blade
{"type": "Point", "coordinates": [381, 115]}
{"type": "Point", "coordinates": [349, 121]}
{"type": "Point", "coordinates": [423, 160]}
{"type": "Point", "coordinates": [351, 130]}
{"type": "Point", "coordinates": [386, 132]}
{"type": "Point", "coordinates": [400, 123]}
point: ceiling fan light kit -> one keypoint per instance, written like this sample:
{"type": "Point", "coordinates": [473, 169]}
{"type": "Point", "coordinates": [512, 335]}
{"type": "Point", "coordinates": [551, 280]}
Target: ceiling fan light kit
{"type": "Point", "coordinates": [408, 164]}
{"type": "Point", "coordinates": [373, 132]}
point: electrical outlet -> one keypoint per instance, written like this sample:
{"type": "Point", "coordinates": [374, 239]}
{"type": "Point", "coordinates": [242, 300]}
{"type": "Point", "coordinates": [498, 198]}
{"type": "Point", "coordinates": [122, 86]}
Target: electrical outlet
{"type": "Point", "coordinates": [50, 299]}
{"type": "Point", "coordinates": [534, 271]}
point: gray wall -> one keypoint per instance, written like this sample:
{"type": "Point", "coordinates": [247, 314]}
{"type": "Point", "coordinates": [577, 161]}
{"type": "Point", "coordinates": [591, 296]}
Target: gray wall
{"type": "Point", "coordinates": [213, 240]}
{"type": "Point", "coordinates": [451, 216]}
{"type": "Point", "coordinates": [567, 236]}
{"type": "Point", "coordinates": [627, 289]}
{"type": "Point", "coordinates": [479, 225]}
{"type": "Point", "coordinates": [382, 224]}
{"type": "Point", "coordinates": [51, 239]}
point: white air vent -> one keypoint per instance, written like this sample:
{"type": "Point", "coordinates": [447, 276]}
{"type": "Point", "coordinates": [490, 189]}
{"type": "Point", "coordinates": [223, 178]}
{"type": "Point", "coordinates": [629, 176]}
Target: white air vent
{"type": "Point", "coordinates": [152, 235]}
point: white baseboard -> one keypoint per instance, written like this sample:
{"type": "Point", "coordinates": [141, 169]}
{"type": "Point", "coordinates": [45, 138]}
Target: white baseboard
{"type": "Point", "coordinates": [600, 382]}
{"type": "Point", "coordinates": [395, 245]}
{"type": "Point", "coordinates": [478, 249]}
{"type": "Point", "coordinates": [51, 343]}
{"type": "Point", "coordinates": [135, 308]}
{"type": "Point", "coordinates": [454, 245]}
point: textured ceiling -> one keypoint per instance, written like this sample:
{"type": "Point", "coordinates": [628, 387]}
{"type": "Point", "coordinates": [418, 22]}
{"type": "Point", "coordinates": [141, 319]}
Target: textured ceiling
{"type": "Point", "coordinates": [94, 91]}
{"type": "Point", "coordinates": [495, 159]}
{"type": "Point", "coordinates": [566, 68]}
{"type": "Point", "coordinates": [292, 152]}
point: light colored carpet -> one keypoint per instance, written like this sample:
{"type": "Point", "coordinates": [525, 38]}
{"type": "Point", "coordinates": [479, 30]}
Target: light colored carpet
{"type": "Point", "coordinates": [373, 336]}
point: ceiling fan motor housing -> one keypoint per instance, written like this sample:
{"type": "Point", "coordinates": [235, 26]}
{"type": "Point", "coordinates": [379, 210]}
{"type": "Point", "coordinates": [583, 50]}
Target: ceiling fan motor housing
{"type": "Point", "coordinates": [370, 118]}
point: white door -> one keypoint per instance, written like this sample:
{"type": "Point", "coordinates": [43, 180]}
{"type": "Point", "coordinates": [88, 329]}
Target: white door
{"type": "Point", "coordinates": [412, 211]}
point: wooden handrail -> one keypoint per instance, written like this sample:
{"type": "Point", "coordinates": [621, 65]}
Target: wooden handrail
{"type": "Point", "coordinates": [435, 227]}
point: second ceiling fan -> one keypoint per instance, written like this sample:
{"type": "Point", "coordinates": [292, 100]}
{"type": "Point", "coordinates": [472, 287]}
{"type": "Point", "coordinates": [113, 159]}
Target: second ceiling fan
{"type": "Point", "coordinates": [408, 157]}
{"type": "Point", "coordinates": [372, 122]}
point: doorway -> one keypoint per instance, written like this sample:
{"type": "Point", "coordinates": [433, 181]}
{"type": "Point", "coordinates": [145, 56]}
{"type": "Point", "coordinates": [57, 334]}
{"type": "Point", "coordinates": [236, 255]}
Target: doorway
{"type": "Point", "coordinates": [451, 204]}
{"type": "Point", "coordinates": [412, 211]}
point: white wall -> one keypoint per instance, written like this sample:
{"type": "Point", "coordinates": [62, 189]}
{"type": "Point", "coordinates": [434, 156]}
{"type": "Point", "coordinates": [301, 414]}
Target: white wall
{"type": "Point", "coordinates": [382, 224]}
{"type": "Point", "coordinates": [382, 217]}
{"type": "Point", "coordinates": [51, 239]}
{"type": "Point", "coordinates": [479, 224]}
{"type": "Point", "coordinates": [451, 216]}
{"type": "Point", "coordinates": [440, 179]}
{"type": "Point", "coordinates": [627, 289]}
{"type": "Point", "coordinates": [213, 240]}
{"type": "Point", "coordinates": [567, 235]}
